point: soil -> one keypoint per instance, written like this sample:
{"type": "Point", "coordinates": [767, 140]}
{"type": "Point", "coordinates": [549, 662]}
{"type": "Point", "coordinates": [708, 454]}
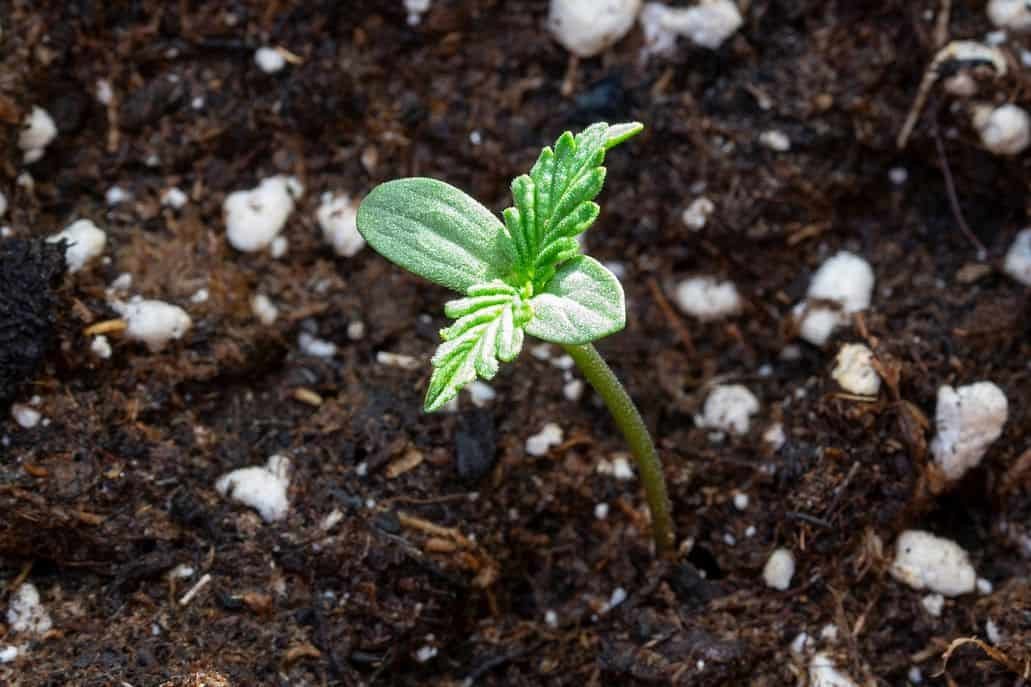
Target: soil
{"type": "Point", "coordinates": [450, 548]}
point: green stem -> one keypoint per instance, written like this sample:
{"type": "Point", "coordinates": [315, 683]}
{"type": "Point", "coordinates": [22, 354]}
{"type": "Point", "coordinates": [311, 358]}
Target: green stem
{"type": "Point", "coordinates": [630, 423]}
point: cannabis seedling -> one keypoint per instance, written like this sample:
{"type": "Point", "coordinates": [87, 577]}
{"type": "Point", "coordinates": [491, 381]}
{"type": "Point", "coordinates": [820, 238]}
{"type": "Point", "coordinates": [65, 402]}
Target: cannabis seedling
{"type": "Point", "coordinates": [527, 275]}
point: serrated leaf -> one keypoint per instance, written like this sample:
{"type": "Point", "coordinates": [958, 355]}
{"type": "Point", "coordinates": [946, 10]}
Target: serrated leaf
{"type": "Point", "coordinates": [583, 302]}
{"type": "Point", "coordinates": [555, 201]}
{"type": "Point", "coordinates": [491, 289]}
{"type": "Point", "coordinates": [488, 331]}
{"type": "Point", "coordinates": [436, 231]}
{"type": "Point", "coordinates": [577, 221]}
{"type": "Point", "coordinates": [463, 306]}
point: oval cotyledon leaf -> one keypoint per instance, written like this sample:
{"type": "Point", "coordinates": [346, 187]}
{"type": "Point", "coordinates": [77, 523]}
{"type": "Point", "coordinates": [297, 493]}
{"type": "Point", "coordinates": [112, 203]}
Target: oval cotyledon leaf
{"type": "Point", "coordinates": [436, 231]}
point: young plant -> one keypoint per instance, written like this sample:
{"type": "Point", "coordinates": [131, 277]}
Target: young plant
{"type": "Point", "coordinates": [526, 276]}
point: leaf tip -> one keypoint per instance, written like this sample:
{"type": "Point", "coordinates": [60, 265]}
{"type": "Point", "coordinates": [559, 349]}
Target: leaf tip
{"type": "Point", "coordinates": [618, 133]}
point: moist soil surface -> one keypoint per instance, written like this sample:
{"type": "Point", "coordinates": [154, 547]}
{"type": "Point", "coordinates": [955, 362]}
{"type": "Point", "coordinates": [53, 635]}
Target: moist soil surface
{"type": "Point", "coordinates": [433, 549]}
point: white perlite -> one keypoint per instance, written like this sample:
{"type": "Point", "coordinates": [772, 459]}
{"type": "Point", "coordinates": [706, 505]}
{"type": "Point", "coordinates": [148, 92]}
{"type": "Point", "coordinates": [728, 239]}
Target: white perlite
{"type": "Point", "coordinates": [934, 604]}
{"type": "Point", "coordinates": [779, 569]}
{"type": "Point", "coordinates": [313, 346]}
{"type": "Point", "coordinates": [539, 444]}
{"type": "Point", "coordinates": [336, 216]}
{"type": "Point", "coordinates": [255, 217]}
{"type": "Point", "coordinates": [728, 408]}
{"type": "Point", "coordinates": [416, 8]}
{"type": "Point", "coordinates": [587, 27]}
{"type": "Point", "coordinates": [967, 420]}
{"type": "Point", "coordinates": [854, 371]}
{"type": "Point", "coordinates": [405, 362]}
{"type": "Point", "coordinates": [658, 39]}
{"type": "Point", "coordinates": [823, 673]}
{"type": "Point", "coordinates": [278, 247]}
{"type": "Point", "coordinates": [775, 140]}
{"type": "Point", "coordinates": [991, 630]}
{"type": "Point", "coordinates": [269, 60]}
{"type": "Point", "coordinates": [696, 215]}
{"type": "Point", "coordinates": [1004, 130]}
{"type": "Point", "coordinates": [153, 322]}
{"type": "Point", "coordinates": [847, 280]}
{"type": "Point", "coordinates": [174, 198]}
{"type": "Point", "coordinates": [924, 561]}
{"type": "Point", "coordinates": [707, 299]}
{"type": "Point", "coordinates": [116, 195]}
{"type": "Point", "coordinates": [774, 436]}
{"type": "Point", "coordinates": [263, 488]}
{"type": "Point", "coordinates": [1018, 258]}
{"type": "Point", "coordinates": [481, 393]}
{"type": "Point", "coordinates": [425, 653]}
{"type": "Point", "coordinates": [85, 242]}
{"type": "Point", "coordinates": [264, 309]}
{"type": "Point", "coordinates": [619, 595]}
{"type": "Point", "coordinates": [26, 613]}
{"type": "Point", "coordinates": [103, 91]}
{"type": "Point", "coordinates": [355, 330]}
{"type": "Point", "coordinates": [100, 347]}
{"type": "Point", "coordinates": [37, 133]}
{"type": "Point", "coordinates": [573, 390]}
{"type": "Point", "coordinates": [707, 24]}
{"type": "Point", "coordinates": [1012, 15]}
{"type": "Point", "coordinates": [26, 416]}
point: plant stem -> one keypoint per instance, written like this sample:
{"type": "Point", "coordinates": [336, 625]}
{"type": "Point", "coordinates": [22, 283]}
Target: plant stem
{"type": "Point", "coordinates": [630, 423]}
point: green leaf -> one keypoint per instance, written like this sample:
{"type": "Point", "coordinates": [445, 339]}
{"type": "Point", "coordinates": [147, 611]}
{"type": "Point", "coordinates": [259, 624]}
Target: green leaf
{"type": "Point", "coordinates": [618, 133]}
{"type": "Point", "coordinates": [436, 231]}
{"type": "Point", "coordinates": [489, 329]}
{"type": "Point", "coordinates": [555, 201]}
{"type": "Point", "coordinates": [583, 302]}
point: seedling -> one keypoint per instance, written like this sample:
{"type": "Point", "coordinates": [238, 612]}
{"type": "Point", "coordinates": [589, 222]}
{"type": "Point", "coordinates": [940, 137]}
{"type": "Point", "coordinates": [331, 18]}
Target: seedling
{"type": "Point", "coordinates": [527, 275]}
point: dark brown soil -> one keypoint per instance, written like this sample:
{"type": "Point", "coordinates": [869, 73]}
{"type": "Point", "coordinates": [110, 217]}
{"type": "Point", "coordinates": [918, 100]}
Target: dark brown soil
{"type": "Point", "coordinates": [467, 551]}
